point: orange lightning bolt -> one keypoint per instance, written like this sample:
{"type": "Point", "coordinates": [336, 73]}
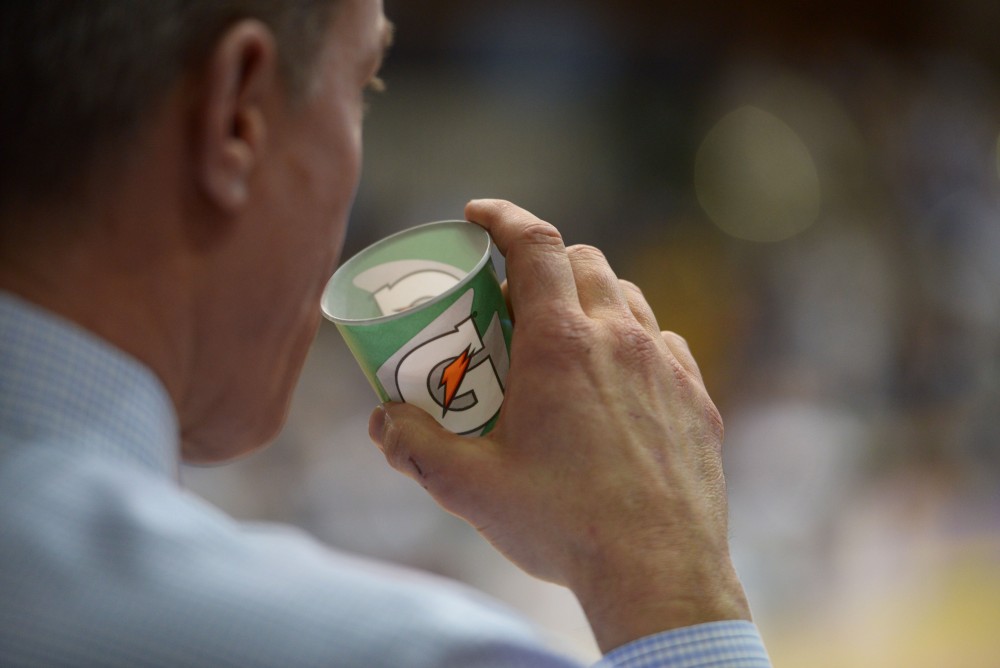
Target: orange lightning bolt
{"type": "Point", "coordinates": [452, 377]}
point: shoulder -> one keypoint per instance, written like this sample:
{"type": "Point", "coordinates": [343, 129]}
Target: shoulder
{"type": "Point", "coordinates": [107, 563]}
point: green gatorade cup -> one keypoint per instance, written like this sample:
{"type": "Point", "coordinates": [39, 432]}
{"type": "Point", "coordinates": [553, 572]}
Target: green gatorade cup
{"type": "Point", "coordinates": [423, 314]}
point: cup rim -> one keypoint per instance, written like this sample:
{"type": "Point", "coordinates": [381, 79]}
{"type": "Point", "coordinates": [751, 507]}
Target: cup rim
{"type": "Point", "coordinates": [486, 257]}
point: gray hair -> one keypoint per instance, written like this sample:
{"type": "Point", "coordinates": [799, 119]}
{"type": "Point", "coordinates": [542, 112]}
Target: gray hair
{"type": "Point", "coordinates": [77, 76]}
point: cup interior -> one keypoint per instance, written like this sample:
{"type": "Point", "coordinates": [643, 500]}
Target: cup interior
{"type": "Point", "coordinates": [405, 271]}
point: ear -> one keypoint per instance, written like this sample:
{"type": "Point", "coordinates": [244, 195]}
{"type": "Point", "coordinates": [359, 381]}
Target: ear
{"type": "Point", "coordinates": [240, 80]}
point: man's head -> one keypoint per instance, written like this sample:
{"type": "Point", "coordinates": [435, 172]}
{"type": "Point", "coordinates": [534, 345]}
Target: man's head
{"type": "Point", "coordinates": [183, 174]}
{"type": "Point", "coordinates": [78, 77]}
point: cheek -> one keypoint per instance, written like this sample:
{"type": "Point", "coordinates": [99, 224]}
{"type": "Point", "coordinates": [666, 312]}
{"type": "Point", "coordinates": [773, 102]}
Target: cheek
{"type": "Point", "coordinates": [324, 174]}
{"type": "Point", "coordinates": [350, 168]}
{"type": "Point", "coordinates": [339, 154]}
{"type": "Point", "coordinates": [341, 188]}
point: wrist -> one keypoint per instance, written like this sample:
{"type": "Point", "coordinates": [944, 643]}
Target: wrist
{"type": "Point", "coordinates": [640, 597]}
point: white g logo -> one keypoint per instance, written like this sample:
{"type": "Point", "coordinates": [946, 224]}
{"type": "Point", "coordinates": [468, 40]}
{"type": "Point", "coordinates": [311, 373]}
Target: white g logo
{"type": "Point", "coordinates": [450, 370]}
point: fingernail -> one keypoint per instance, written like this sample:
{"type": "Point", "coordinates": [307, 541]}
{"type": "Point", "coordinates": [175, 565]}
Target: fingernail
{"type": "Point", "coordinates": [376, 425]}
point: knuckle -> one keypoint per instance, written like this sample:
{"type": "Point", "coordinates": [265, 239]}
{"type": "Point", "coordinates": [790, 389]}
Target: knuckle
{"type": "Point", "coordinates": [678, 339]}
{"type": "Point", "coordinates": [681, 377]}
{"type": "Point", "coordinates": [537, 232]}
{"type": "Point", "coordinates": [633, 344]}
{"type": "Point", "coordinates": [587, 253]}
{"type": "Point", "coordinates": [591, 266]}
{"type": "Point", "coordinates": [628, 286]}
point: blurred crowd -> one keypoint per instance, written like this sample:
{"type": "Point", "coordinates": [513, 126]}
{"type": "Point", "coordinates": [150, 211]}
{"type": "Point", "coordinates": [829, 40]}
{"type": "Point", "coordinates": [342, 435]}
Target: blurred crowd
{"type": "Point", "coordinates": [811, 196]}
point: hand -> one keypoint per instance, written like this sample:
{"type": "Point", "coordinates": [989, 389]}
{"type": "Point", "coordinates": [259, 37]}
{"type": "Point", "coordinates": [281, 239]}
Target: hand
{"type": "Point", "coordinates": [603, 472]}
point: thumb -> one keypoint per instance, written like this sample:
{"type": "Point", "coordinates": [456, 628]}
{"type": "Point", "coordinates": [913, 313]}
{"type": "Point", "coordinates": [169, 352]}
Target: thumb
{"type": "Point", "coordinates": [415, 444]}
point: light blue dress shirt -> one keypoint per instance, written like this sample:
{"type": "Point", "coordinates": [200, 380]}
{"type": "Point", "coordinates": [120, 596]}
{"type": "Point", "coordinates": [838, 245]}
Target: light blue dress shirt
{"type": "Point", "coordinates": [106, 561]}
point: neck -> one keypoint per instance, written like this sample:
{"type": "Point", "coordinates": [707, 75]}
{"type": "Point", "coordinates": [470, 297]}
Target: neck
{"type": "Point", "coordinates": [95, 266]}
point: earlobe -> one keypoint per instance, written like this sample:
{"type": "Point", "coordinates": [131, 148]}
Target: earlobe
{"type": "Point", "coordinates": [240, 79]}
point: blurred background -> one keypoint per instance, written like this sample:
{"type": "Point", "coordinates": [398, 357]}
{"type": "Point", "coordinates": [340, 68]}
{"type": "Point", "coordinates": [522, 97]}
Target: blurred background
{"type": "Point", "coordinates": [810, 194]}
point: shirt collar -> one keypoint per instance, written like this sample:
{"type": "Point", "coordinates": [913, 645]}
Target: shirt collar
{"type": "Point", "coordinates": [62, 385]}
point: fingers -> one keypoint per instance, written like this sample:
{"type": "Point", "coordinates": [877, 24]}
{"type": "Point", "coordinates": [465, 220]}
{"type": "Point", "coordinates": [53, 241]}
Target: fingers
{"type": "Point", "coordinates": [679, 348]}
{"type": "Point", "coordinates": [544, 271]}
{"type": "Point", "coordinates": [545, 276]}
{"type": "Point", "coordinates": [640, 308]}
{"type": "Point", "coordinates": [539, 272]}
{"type": "Point", "coordinates": [600, 292]}
{"type": "Point", "coordinates": [416, 445]}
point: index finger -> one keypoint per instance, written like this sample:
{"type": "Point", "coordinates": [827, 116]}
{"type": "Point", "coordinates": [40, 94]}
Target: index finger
{"type": "Point", "coordinates": [539, 273]}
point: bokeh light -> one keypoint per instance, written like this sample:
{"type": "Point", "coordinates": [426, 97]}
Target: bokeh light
{"type": "Point", "coordinates": [755, 178]}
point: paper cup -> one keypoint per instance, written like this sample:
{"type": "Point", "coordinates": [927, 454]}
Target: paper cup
{"type": "Point", "coordinates": [424, 316]}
